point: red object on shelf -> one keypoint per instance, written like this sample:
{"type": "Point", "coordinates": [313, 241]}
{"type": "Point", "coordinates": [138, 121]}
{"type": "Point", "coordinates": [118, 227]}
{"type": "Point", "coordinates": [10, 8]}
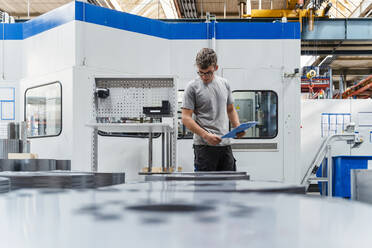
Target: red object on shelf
{"type": "Point", "coordinates": [314, 85]}
{"type": "Point", "coordinates": [361, 90]}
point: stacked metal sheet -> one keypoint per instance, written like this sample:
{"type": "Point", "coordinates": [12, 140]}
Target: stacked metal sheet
{"type": "Point", "coordinates": [63, 164]}
{"type": "Point", "coordinates": [102, 179]}
{"type": "Point", "coordinates": [69, 180]}
{"type": "Point", "coordinates": [62, 179]}
{"type": "Point", "coordinates": [196, 173]}
{"type": "Point", "coordinates": [195, 177]}
{"type": "Point", "coordinates": [4, 185]}
{"type": "Point", "coordinates": [222, 186]}
{"type": "Point", "coordinates": [27, 164]}
{"type": "Point", "coordinates": [9, 146]}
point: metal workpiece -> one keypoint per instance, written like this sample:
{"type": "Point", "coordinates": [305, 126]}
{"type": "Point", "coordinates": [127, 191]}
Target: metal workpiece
{"type": "Point", "coordinates": [201, 173]}
{"type": "Point", "coordinates": [194, 177]}
{"type": "Point", "coordinates": [240, 186]}
{"type": "Point", "coordinates": [102, 179]}
{"type": "Point", "coordinates": [13, 146]}
{"type": "Point", "coordinates": [62, 179]}
{"type": "Point", "coordinates": [63, 164]}
{"type": "Point", "coordinates": [34, 164]}
{"type": "Point", "coordinates": [13, 130]}
{"type": "Point", "coordinates": [71, 180]}
{"type": "Point", "coordinates": [9, 146]}
{"type": "Point", "coordinates": [361, 185]}
{"type": "Point", "coordinates": [112, 216]}
{"type": "Point", "coordinates": [4, 185]}
{"type": "Point", "coordinates": [198, 173]}
{"type": "Point", "coordinates": [27, 164]}
{"type": "Point", "coordinates": [231, 186]}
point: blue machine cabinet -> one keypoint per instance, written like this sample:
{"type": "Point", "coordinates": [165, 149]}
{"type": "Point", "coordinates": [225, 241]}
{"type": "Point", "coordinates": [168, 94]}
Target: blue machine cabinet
{"type": "Point", "coordinates": [341, 173]}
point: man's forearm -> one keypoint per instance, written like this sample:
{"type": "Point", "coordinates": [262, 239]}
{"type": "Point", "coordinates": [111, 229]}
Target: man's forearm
{"type": "Point", "coordinates": [194, 127]}
{"type": "Point", "coordinates": [234, 118]}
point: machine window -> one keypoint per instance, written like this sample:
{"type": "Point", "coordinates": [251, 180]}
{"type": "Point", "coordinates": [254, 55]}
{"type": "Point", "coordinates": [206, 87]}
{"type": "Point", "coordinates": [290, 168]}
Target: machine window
{"type": "Point", "coordinates": [43, 110]}
{"type": "Point", "coordinates": [183, 132]}
{"type": "Point", "coordinates": [259, 106]}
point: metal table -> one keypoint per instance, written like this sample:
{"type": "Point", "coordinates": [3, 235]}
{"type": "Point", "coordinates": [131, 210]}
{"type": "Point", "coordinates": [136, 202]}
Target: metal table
{"type": "Point", "coordinates": [150, 128]}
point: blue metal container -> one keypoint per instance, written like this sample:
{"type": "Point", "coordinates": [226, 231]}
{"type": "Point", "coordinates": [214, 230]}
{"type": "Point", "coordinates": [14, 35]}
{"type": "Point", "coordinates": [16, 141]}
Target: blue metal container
{"type": "Point", "coordinates": [341, 173]}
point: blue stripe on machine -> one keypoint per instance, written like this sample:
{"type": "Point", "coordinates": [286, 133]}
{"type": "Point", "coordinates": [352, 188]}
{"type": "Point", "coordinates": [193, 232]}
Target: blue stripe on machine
{"type": "Point", "coordinates": [11, 31]}
{"type": "Point", "coordinates": [168, 30]}
{"type": "Point", "coordinates": [254, 30]}
{"type": "Point", "coordinates": [49, 20]}
{"type": "Point", "coordinates": [120, 20]}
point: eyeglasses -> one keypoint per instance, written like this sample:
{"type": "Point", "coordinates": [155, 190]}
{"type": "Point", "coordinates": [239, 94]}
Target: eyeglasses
{"type": "Point", "coordinates": [208, 73]}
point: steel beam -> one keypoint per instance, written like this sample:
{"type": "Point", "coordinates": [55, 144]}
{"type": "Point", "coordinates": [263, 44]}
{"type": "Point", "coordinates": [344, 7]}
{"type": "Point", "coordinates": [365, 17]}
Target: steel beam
{"type": "Point", "coordinates": [339, 29]}
{"type": "Point", "coordinates": [335, 52]}
{"type": "Point", "coordinates": [352, 72]}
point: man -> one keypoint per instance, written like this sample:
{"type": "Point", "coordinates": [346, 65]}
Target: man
{"type": "Point", "coordinates": [209, 98]}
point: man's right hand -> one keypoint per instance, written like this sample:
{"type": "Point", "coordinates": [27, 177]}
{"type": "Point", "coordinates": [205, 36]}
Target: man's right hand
{"type": "Point", "coordinates": [212, 139]}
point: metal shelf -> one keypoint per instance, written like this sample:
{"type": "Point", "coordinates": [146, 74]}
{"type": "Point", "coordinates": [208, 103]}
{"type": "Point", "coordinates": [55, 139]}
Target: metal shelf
{"type": "Point", "coordinates": [132, 127]}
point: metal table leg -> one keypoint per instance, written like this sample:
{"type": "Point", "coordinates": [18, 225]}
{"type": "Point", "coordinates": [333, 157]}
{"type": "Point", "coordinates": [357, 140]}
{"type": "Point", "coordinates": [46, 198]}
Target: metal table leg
{"type": "Point", "coordinates": [94, 155]}
{"type": "Point", "coordinates": [168, 148]}
{"type": "Point", "coordinates": [163, 152]}
{"type": "Point", "coordinates": [171, 162]}
{"type": "Point", "coordinates": [150, 152]}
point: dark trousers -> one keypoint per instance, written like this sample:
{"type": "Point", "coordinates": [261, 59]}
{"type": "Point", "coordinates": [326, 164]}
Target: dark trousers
{"type": "Point", "coordinates": [213, 158]}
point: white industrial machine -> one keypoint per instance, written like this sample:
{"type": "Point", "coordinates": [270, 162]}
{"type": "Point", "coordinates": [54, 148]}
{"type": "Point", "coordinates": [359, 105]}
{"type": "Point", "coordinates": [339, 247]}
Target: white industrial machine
{"type": "Point", "coordinates": [61, 57]}
{"type": "Point", "coordinates": [58, 61]}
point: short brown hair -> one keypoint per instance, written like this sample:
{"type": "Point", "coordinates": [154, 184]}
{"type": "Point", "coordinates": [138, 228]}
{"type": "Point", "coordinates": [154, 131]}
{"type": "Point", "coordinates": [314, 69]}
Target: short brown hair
{"type": "Point", "coordinates": [205, 58]}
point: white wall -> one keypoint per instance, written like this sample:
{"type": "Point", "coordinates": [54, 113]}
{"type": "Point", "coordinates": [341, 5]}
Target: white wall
{"type": "Point", "coordinates": [119, 50]}
{"type": "Point", "coordinates": [50, 51]}
{"type": "Point", "coordinates": [10, 69]}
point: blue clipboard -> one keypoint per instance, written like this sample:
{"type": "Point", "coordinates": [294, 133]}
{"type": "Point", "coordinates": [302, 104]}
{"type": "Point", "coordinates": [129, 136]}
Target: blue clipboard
{"type": "Point", "coordinates": [242, 127]}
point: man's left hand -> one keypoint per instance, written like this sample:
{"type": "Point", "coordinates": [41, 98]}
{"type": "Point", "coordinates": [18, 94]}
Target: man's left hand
{"type": "Point", "coordinates": [240, 135]}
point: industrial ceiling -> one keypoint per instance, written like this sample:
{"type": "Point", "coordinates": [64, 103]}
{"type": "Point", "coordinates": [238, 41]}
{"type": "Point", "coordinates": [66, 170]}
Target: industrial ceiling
{"type": "Point", "coordinates": [351, 65]}
{"type": "Point", "coordinates": [172, 9]}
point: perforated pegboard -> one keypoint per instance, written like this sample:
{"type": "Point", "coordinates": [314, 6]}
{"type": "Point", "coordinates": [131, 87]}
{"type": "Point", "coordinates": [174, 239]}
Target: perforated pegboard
{"type": "Point", "coordinates": [128, 96]}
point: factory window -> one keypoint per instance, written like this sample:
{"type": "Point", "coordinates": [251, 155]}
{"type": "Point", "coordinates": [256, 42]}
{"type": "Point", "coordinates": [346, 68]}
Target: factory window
{"type": "Point", "coordinates": [183, 132]}
{"type": "Point", "coordinates": [43, 110]}
{"type": "Point", "coordinates": [260, 106]}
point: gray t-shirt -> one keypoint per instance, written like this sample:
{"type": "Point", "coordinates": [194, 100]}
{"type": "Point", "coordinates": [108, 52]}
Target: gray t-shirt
{"type": "Point", "coordinates": [209, 102]}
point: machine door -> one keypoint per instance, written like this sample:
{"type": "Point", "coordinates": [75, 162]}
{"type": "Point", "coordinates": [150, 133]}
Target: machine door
{"type": "Point", "coordinates": [258, 97]}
